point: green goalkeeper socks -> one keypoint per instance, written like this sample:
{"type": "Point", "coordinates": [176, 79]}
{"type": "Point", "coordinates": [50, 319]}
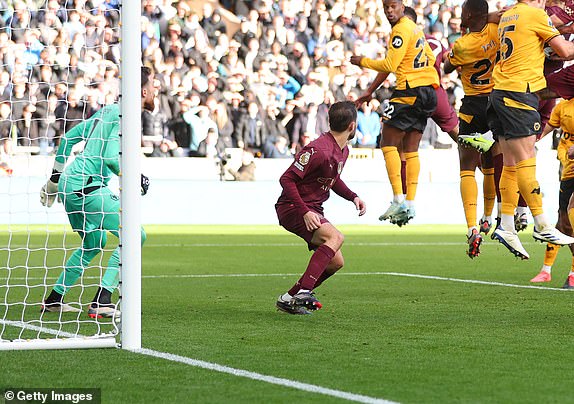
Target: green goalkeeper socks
{"type": "Point", "coordinates": [111, 278]}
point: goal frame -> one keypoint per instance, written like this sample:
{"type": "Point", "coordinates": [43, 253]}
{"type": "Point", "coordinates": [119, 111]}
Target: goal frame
{"type": "Point", "coordinates": [130, 215]}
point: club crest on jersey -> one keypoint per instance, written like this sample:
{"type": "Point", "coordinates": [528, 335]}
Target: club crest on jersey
{"type": "Point", "coordinates": [340, 167]}
{"type": "Point", "coordinates": [397, 42]}
{"type": "Point", "coordinates": [303, 160]}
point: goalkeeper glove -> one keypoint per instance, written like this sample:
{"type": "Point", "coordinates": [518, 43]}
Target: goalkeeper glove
{"type": "Point", "coordinates": [145, 184]}
{"type": "Point", "coordinates": [49, 191]}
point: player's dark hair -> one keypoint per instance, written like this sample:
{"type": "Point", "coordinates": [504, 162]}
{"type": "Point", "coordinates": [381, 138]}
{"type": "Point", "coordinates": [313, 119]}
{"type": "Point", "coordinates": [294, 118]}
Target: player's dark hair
{"type": "Point", "coordinates": [341, 115]}
{"type": "Point", "coordinates": [146, 74]}
{"type": "Point", "coordinates": [411, 13]}
{"type": "Point", "coordinates": [478, 7]}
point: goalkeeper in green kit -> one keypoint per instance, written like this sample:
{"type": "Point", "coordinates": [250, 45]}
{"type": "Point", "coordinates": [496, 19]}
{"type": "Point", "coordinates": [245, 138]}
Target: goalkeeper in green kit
{"type": "Point", "coordinates": [92, 208]}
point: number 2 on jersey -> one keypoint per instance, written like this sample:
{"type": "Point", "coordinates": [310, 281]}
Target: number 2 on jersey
{"type": "Point", "coordinates": [477, 79]}
{"type": "Point", "coordinates": [420, 59]}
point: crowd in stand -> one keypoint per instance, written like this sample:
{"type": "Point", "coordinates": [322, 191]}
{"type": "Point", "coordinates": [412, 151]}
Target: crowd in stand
{"type": "Point", "coordinates": [262, 79]}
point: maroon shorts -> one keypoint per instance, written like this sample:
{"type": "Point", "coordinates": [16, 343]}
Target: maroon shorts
{"type": "Point", "coordinates": [444, 115]}
{"type": "Point", "coordinates": [293, 222]}
{"type": "Point", "coordinates": [562, 82]}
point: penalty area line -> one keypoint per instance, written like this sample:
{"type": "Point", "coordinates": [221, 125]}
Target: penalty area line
{"type": "Point", "coordinates": [311, 388]}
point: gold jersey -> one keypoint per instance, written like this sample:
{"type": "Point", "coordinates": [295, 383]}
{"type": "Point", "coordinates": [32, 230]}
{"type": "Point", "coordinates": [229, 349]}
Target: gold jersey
{"type": "Point", "coordinates": [409, 57]}
{"type": "Point", "coordinates": [523, 30]}
{"type": "Point", "coordinates": [475, 53]}
{"type": "Point", "coordinates": [563, 117]}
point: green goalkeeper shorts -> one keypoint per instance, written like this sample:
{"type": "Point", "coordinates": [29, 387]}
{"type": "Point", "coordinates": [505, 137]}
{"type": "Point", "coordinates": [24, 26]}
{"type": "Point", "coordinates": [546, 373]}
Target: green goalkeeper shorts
{"type": "Point", "coordinates": [90, 210]}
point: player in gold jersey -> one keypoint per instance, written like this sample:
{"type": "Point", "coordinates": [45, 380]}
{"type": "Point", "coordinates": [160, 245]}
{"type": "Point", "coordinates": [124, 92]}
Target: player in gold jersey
{"type": "Point", "coordinates": [562, 117]}
{"type": "Point", "coordinates": [475, 53]}
{"type": "Point", "coordinates": [410, 58]}
{"type": "Point", "coordinates": [513, 117]}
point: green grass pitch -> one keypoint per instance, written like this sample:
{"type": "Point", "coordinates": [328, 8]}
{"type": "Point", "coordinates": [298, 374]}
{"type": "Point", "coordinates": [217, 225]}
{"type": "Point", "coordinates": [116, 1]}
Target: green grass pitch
{"type": "Point", "coordinates": [405, 339]}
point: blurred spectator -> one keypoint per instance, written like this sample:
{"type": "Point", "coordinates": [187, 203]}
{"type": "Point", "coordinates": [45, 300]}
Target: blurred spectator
{"type": "Point", "coordinates": [27, 127]}
{"type": "Point", "coordinates": [277, 147]}
{"type": "Point", "coordinates": [250, 131]}
{"type": "Point", "coordinates": [211, 146]}
{"type": "Point", "coordinates": [155, 134]}
{"type": "Point", "coordinates": [198, 119]}
{"type": "Point", "coordinates": [368, 125]}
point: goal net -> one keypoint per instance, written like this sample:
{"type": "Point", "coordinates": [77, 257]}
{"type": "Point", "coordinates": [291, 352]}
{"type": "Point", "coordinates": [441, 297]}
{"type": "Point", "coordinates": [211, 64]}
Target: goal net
{"type": "Point", "coordinates": [61, 64]}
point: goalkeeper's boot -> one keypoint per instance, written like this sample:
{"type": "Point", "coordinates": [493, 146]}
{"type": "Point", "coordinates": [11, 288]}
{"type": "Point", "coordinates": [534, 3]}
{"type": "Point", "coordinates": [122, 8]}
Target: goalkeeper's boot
{"type": "Point", "coordinates": [476, 141]}
{"type": "Point", "coordinates": [520, 221]}
{"type": "Point", "coordinates": [474, 242]}
{"type": "Point", "coordinates": [511, 241]}
{"type": "Point", "coordinates": [550, 234]}
{"type": "Point", "coordinates": [102, 305]}
{"type": "Point", "coordinates": [543, 276]}
{"type": "Point", "coordinates": [287, 307]}
{"type": "Point", "coordinates": [306, 299]}
{"type": "Point", "coordinates": [393, 210]}
{"type": "Point", "coordinates": [485, 225]}
{"type": "Point", "coordinates": [59, 307]}
{"type": "Point", "coordinates": [569, 284]}
{"type": "Point", "coordinates": [54, 303]}
{"type": "Point", "coordinates": [103, 310]}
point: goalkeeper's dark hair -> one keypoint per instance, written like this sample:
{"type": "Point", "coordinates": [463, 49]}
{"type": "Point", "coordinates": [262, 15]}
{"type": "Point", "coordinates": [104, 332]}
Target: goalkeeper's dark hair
{"type": "Point", "coordinates": [146, 74]}
{"type": "Point", "coordinates": [411, 13]}
{"type": "Point", "coordinates": [341, 115]}
{"type": "Point", "coordinates": [477, 7]}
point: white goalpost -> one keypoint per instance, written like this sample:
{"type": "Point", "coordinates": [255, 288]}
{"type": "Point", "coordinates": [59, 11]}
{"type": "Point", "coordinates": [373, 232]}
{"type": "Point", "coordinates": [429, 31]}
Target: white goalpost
{"type": "Point", "coordinates": [36, 241]}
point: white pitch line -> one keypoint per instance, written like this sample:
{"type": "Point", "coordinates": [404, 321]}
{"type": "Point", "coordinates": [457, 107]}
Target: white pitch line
{"type": "Point", "coordinates": [312, 388]}
{"type": "Point", "coordinates": [420, 276]}
{"type": "Point", "coordinates": [32, 327]}
{"type": "Point", "coordinates": [473, 281]}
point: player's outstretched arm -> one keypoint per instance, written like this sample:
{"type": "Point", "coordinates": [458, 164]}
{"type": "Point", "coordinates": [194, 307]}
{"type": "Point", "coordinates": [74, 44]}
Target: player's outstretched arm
{"type": "Point", "coordinates": [368, 94]}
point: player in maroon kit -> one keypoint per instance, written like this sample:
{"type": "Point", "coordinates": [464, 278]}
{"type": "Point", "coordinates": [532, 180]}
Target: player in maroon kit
{"type": "Point", "coordinates": [560, 80]}
{"type": "Point", "coordinates": [306, 185]}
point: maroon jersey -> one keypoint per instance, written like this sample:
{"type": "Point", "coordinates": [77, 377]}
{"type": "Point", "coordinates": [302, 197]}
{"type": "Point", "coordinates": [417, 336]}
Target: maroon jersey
{"type": "Point", "coordinates": [315, 170]}
{"type": "Point", "coordinates": [438, 50]}
{"type": "Point", "coordinates": [565, 11]}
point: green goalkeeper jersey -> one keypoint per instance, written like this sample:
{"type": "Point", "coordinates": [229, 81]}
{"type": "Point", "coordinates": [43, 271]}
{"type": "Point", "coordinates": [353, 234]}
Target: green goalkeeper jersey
{"type": "Point", "coordinates": [100, 157]}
